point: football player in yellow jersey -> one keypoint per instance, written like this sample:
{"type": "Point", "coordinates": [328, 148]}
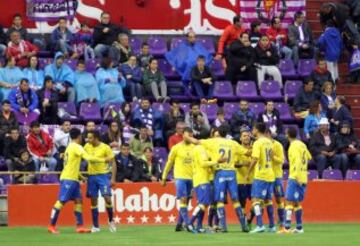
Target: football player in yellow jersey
{"type": "Point", "coordinates": [299, 156]}
{"type": "Point", "coordinates": [100, 178]}
{"type": "Point", "coordinates": [263, 184]}
{"type": "Point", "coordinates": [278, 161]}
{"type": "Point", "coordinates": [182, 158]}
{"type": "Point", "coordinates": [69, 181]}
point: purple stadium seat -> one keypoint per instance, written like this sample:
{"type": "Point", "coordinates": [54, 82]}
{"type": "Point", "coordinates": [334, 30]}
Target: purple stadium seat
{"type": "Point", "coordinates": [208, 43]}
{"type": "Point", "coordinates": [161, 153]}
{"type": "Point", "coordinates": [92, 65]}
{"type": "Point", "coordinates": [71, 63]}
{"type": "Point", "coordinates": [287, 69]}
{"type": "Point", "coordinates": [134, 105]}
{"type": "Point", "coordinates": [285, 111]}
{"type": "Point", "coordinates": [353, 175]}
{"type": "Point", "coordinates": [157, 45]}
{"type": "Point", "coordinates": [285, 174]}
{"type": "Point", "coordinates": [167, 69]}
{"type": "Point", "coordinates": [176, 90]}
{"type": "Point", "coordinates": [68, 111]}
{"type": "Point", "coordinates": [2, 164]}
{"type": "Point", "coordinates": [305, 67]}
{"type": "Point", "coordinates": [247, 90]}
{"type": "Point", "coordinates": [332, 174]}
{"type": "Point", "coordinates": [162, 107]}
{"type": "Point", "coordinates": [185, 107]}
{"type": "Point", "coordinates": [257, 108]}
{"type": "Point", "coordinates": [230, 109]}
{"type": "Point", "coordinates": [135, 44]}
{"type": "Point", "coordinates": [90, 111]}
{"type": "Point", "coordinates": [50, 129]}
{"type": "Point", "coordinates": [270, 90]}
{"type": "Point", "coordinates": [210, 110]}
{"type": "Point", "coordinates": [292, 87]}
{"type": "Point", "coordinates": [48, 178]}
{"type": "Point", "coordinates": [176, 41]}
{"type": "Point", "coordinates": [285, 127]}
{"type": "Point", "coordinates": [102, 128]}
{"type": "Point", "coordinates": [217, 68]}
{"type": "Point", "coordinates": [108, 108]}
{"type": "Point", "coordinates": [43, 62]}
{"type": "Point", "coordinates": [224, 90]}
{"type": "Point", "coordinates": [313, 174]}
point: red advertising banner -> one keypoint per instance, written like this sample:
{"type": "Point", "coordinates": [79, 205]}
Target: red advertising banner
{"type": "Point", "coordinates": [150, 203]}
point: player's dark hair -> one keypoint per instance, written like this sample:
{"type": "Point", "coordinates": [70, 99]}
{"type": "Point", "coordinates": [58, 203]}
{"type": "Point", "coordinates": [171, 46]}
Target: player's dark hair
{"type": "Point", "coordinates": [74, 133]}
{"type": "Point", "coordinates": [96, 134]}
{"type": "Point", "coordinates": [292, 132]}
{"type": "Point", "coordinates": [236, 19]}
{"type": "Point", "coordinates": [223, 130]}
{"type": "Point", "coordinates": [188, 130]}
{"type": "Point", "coordinates": [261, 127]}
{"type": "Point", "coordinates": [34, 124]}
{"type": "Point", "coordinates": [5, 102]}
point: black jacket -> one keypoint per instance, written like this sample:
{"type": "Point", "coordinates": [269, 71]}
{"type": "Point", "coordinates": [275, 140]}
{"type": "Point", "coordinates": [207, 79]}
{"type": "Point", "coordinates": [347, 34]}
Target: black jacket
{"type": "Point", "coordinates": [317, 144]}
{"type": "Point", "coordinates": [344, 140]}
{"type": "Point", "coordinates": [263, 59]}
{"type": "Point", "coordinates": [197, 76]}
{"type": "Point", "coordinates": [105, 38]}
{"type": "Point", "coordinates": [7, 124]}
{"type": "Point", "coordinates": [3, 38]}
{"type": "Point", "coordinates": [240, 55]}
{"type": "Point", "coordinates": [156, 169]}
{"type": "Point", "coordinates": [240, 119]}
{"type": "Point", "coordinates": [319, 80]}
{"type": "Point", "coordinates": [303, 99]}
{"type": "Point", "coordinates": [133, 171]}
{"type": "Point", "coordinates": [12, 148]}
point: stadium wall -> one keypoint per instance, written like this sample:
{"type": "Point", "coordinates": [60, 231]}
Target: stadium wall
{"type": "Point", "coordinates": [150, 203]}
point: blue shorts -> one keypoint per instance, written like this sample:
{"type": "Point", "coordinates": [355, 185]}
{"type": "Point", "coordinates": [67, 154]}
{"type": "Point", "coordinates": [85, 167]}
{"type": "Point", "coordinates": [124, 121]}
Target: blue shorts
{"type": "Point", "coordinates": [294, 191]}
{"type": "Point", "coordinates": [244, 191]}
{"type": "Point", "coordinates": [99, 182]}
{"type": "Point", "coordinates": [69, 190]}
{"type": "Point", "coordinates": [225, 181]}
{"type": "Point", "coordinates": [203, 194]}
{"type": "Point", "coordinates": [262, 190]}
{"type": "Point", "coordinates": [279, 188]}
{"type": "Point", "coordinates": [183, 188]}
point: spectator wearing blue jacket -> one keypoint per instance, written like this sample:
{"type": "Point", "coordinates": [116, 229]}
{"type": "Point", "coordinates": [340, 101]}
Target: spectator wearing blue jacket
{"type": "Point", "coordinates": [133, 74]}
{"type": "Point", "coordinates": [341, 113]}
{"type": "Point", "coordinates": [312, 121]}
{"type": "Point", "coordinates": [62, 38]}
{"type": "Point", "coordinates": [243, 117]}
{"type": "Point", "coordinates": [327, 99]}
{"type": "Point", "coordinates": [330, 43]}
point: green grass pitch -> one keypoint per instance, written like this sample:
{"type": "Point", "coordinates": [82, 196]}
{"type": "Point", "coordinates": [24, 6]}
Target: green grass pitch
{"type": "Point", "coordinates": [315, 234]}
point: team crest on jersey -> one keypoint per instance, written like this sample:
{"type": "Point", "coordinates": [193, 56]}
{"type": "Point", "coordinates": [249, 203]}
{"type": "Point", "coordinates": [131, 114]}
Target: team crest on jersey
{"type": "Point", "coordinates": [266, 9]}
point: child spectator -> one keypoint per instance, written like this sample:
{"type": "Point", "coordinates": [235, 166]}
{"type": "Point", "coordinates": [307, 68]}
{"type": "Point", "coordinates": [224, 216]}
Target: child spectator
{"type": "Point", "coordinates": [144, 56]}
{"type": "Point", "coordinates": [24, 164]}
{"type": "Point", "coordinates": [83, 42]}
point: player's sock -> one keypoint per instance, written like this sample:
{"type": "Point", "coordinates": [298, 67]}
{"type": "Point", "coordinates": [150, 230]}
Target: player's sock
{"type": "Point", "coordinates": [252, 216]}
{"type": "Point", "coordinates": [195, 214]}
{"type": "Point", "coordinates": [78, 214]}
{"type": "Point", "coordinates": [95, 216]}
{"type": "Point", "coordinates": [257, 211]}
{"type": "Point", "coordinates": [298, 215]}
{"type": "Point", "coordinates": [110, 211]}
{"type": "Point", "coordinates": [200, 217]}
{"type": "Point", "coordinates": [179, 219]}
{"type": "Point", "coordinates": [55, 213]}
{"type": "Point", "coordinates": [184, 213]}
{"type": "Point", "coordinates": [281, 213]}
{"type": "Point", "coordinates": [270, 212]}
{"type": "Point", "coordinates": [211, 215]}
{"type": "Point", "coordinates": [222, 215]}
{"type": "Point", "coordinates": [288, 213]}
{"type": "Point", "coordinates": [239, 213]}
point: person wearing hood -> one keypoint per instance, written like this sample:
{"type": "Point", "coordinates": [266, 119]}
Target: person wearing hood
{"type": "Point", "coordinates": [267, 57]}
{"type": "Point", "coordinates": [85, 85]}
{"type": "Point", "coordinates": [321, 74]}
{"type": "Point", "coordinates": [330, 43]}
{"type": "Point", "coordinates": [63, 77]}
{"type": "Point", "coordinates": [10, 77]}
{"type": "Point", "coordinates": [48, 99]}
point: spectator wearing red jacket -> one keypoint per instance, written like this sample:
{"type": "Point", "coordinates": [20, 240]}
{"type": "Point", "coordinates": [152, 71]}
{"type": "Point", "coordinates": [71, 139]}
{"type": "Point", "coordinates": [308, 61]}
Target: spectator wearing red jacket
{"type": "Point", "coordinates": [41, 147]}
{"type": "Point", "coordinates": [20, 49]}
{"type": "Point", "coordinates": [177, 137]}
{"type": "Point", "coordinates": [278, 36]}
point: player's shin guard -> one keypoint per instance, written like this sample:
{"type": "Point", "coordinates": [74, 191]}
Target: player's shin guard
{"type": "Point", "coordinates": [257, 211]}
{"type": "Point", "coordinates": [298, 215]}
{"type": "Point", "coordinates": [288, 214]}
{"type": "Point", "coordinates": [240, 215]}
{"type": "Point", "coordinates": [195, 214]}
{"type": "Point", "coordinates": [281, 213]}
{"type": "Point", "coordinates": [110, 211]}
{"type": "Point", "coordinates": [95, 216]}
{"type": "Point", "coordinates": [78, 214]}
{"type": "Point", "coordinates": [184, 213]}
{"type": "Point", "coordinates": [270, 212]}
{"type": "Point", "coordinates": [222, 215]}
{"type": "Point", "coordinates": [55, 213]}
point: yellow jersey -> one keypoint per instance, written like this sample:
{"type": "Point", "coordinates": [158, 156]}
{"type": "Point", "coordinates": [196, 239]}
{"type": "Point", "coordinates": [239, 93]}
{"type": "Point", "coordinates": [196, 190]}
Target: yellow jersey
{"type": "Point", "coordinates": [278, 159]}
{"type": "Point", "coordinates": [181, 157]}
{"type": "Point", "coordinates": [72, 159]}
{"type": "Point", "coordinates": [201, 168]}
{"type": "Point", "coordinates": [242, 171]}
{"type": "Point", "coordinates": [299, 156]}
{"type": "Point", "coordinates": [101, 151]}
{"type": "Point", "coordinates": [262, 151]}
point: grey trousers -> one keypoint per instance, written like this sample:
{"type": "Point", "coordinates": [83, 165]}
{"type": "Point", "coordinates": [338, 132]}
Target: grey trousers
{"type": "Point", "coordinates": [154, 87]}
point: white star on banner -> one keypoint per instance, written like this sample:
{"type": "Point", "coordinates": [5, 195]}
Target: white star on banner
{"type": "Point", "coordinates": [158, 219]}
{"type": "Point", "coordinates": [144, 219]}
{"type": "Point", "coordinates": [171, 218]}
{"type": "Point", "coordinates": [117, 219]}
{"type": "Point", "coordinates": [130, 219]}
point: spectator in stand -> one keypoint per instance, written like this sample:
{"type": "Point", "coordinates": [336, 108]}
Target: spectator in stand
{"type": "Point", "coordinates": [300, 38]}
{"type": "Point", "coordinates": [120, 50]}
{"type": "Point", "coordinates": [83, 41]}
{"type": "Point", "coordinates": [144, 57]}
{"type": "Point", "coordinates": [62, 135]}
{"type": "Point", "coordinates": [140, 141]}
{"type": "Point", "coordinates": [89, 127]}
{"type": "Point", "coordinates": [244, 117]}
{"type": "Point", "coordinates": [24, 164]}
{"type": "Point", "coordinates": [13, 144]}
{"type": "Point", "coordinates": [48, 102]}
{"type": "Point", "coordinates": [203, 80]}
{"type": "Point", "coordinates": [151, 166]}
{"type": "Point", "coordinates": [34, 74]}
{"type": "Point", "coordinates": [10, 77]}
{"type": "Point", "coordinates": [3, 42]}
{"type": "Point", "coordinates": [41, 147]}
{"type": "Point", "coordinates": [320, 75]}
{"type": "Point", "coordinates": [303, 98]}
{"type": "Point", "coordinates": [85, 84]}
{"type": "Point", "coordinates": [105, 34]}
{"type": "Point", "coordinates": [271, 118]}
{"type": "Point", "coordinates": [62, 39]}
{"type": "Point", "coordinates": [128, 169]}
{"type": "Point", "coordinates": [111, 83]}
{"type": "Point", "coordinates": [255, 33]}
{"type": "Point", "coordinates": [113, 137]}
{"type": "Point", "coordinates": [25, 102]}
{"type": "Point", "coordinates": [63, 77]}
{"type": "Point", "coordinates": [230, 34]}
{"type": "Point", "coordinates": [197, 121]}
{"type": "Point", "coordinates": [17, 26]}
{"type": "Point", "coordinates": [267, 57]}
{"type": "Point", "coordinates": [341, 113]}
{"type": "Point", "coordinates": [311, 123]}
{"type": "Point", "coordinates": [323, 147]}
{"type": "Point", "coordinates": [8, 121]}
{"type": "Point", "coordinates": [133, 74]}
{"type": "Point", "coordinates": [348, 146]}
{"type": "Point", "coordinates": [278, 36]}
{"type": "Point", "coordinates": [177, 137]}
{"type": "Point", "coordinates": [241, 56]}
{"type": "Point", "coordinates": [154, 81]}
{"type": "Point", "coordinates": [327, 99]}
{"type": "Point", "coordinates": [330, 43]}
{"type": "Point", "coordinates": [125, 119]}
{"type": "Point", "coordinates": [20, 49]}
{"type": "Point", "coordinates": [174, 115]}
{"type": "Point", "coordinates": [220, 118]}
